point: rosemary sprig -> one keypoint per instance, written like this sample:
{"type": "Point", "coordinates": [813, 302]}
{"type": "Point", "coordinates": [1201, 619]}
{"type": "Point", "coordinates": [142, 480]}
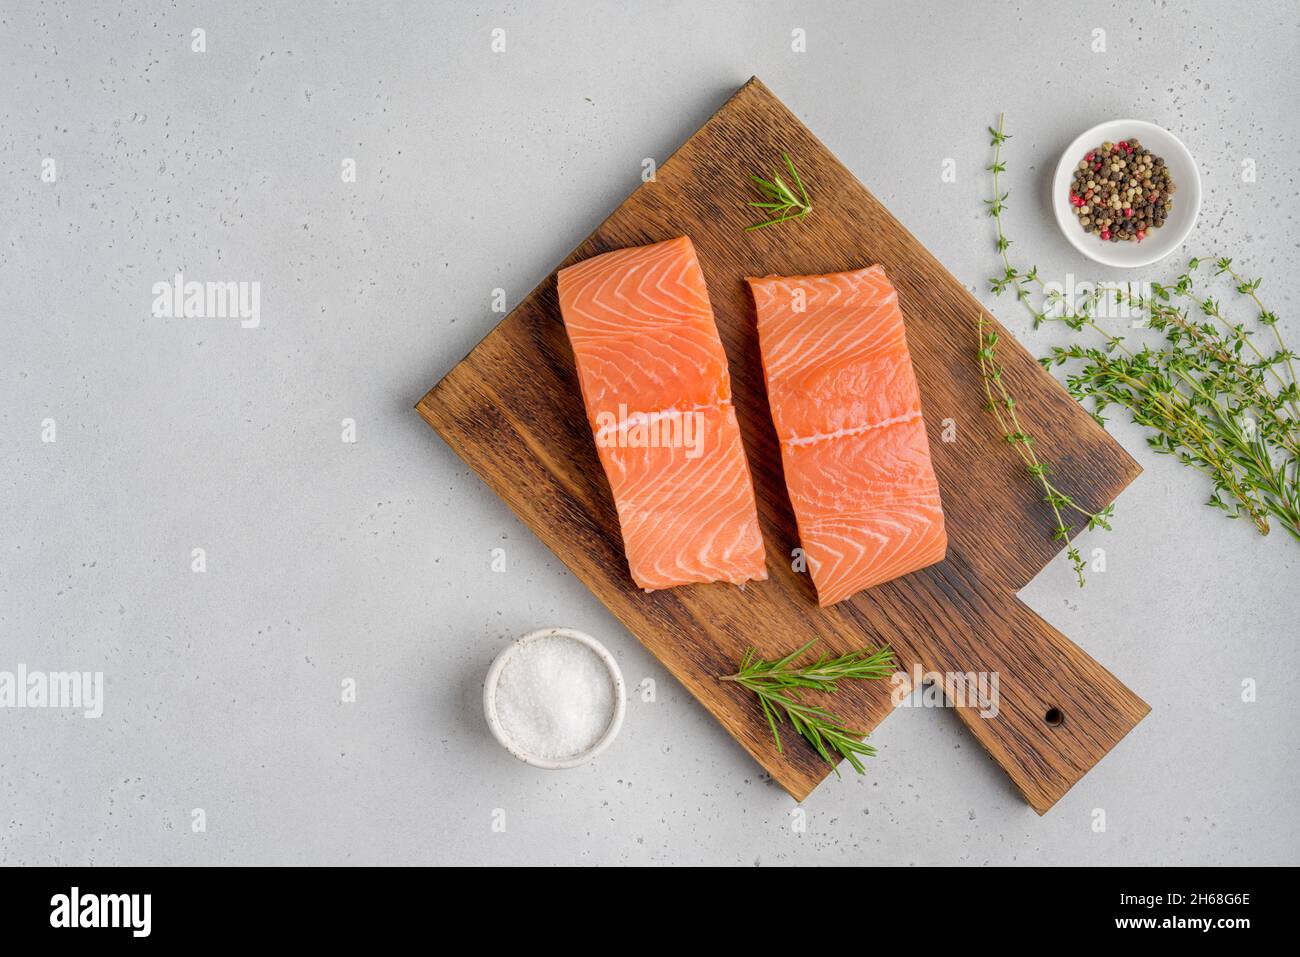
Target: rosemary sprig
{"type": "Point", "coordinates": [1205, 399]}
{"type": "Point", "coordinates": [781, 201]}
{"type": "Point", "coordinates": [1003, 406]}
{"type": "Point", "coordinates": [778, 685]}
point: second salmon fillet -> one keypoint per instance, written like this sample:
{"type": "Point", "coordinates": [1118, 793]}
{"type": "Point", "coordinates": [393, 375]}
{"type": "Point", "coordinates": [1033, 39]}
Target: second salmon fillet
{"type": "Point", "coordinates": [658, 396]}
{"type": "Point", "coordinates": [848, 415]}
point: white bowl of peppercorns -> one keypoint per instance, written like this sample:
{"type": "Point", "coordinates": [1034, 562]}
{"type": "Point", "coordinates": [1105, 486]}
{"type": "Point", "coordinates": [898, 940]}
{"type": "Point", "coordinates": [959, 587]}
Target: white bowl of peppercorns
{"type": "Point", "coordinates": [1126, 193]}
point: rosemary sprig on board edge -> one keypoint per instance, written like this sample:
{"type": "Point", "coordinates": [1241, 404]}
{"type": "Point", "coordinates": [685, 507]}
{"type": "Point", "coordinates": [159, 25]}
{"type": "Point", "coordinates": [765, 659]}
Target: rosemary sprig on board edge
{"type": "Point", "coordinates": [1210, 395]}
{"type": "Point", "coordinates": [1000, 402]}
{"type": "Point", "coordinates": [781, 201]}
{"type": "Point", "coordinates": [778, 685]}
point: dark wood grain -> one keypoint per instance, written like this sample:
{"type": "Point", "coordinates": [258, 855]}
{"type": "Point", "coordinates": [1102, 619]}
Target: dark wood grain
{"type": "Point", "coordinates": [513, 411]}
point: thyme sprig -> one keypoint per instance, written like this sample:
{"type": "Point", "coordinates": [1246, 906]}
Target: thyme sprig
{"type": "Point", "coordinates": [1003, 406]}
{"type": "Point", "coordinates": [1209, 394]}
{"type": "Point", "coordinates": [999, 400]}
{"type": "Point", "coordinates": [779, 684]}
{"type": "Point", "coordinates": [781, 201]}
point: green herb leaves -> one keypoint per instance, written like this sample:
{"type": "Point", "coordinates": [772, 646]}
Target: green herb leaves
{"type": "Point", "coordinates": [1000, 402]}
{"type": "Point", "coordinates": [781, 201]}
{"type": "Point", "coordinates": [1211, 395]}
{"type": "Point", "coordinates": [778, 685]}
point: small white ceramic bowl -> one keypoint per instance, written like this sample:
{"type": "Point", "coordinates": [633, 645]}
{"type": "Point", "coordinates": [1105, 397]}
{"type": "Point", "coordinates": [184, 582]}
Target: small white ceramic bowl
{"type": "Point", "coordinates": [582, 757]}
{"type": "Point", "coordinates": [1158, 243]}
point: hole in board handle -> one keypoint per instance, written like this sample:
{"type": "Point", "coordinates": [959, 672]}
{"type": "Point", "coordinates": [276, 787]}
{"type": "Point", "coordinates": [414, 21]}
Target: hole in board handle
{"type": "Point", "coordinates": [1054, 717]}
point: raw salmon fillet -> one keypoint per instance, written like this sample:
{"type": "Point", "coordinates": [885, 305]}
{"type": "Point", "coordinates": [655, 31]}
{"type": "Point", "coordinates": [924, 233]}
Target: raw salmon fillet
{"type": "Point", "coordinates": [658, 395]}
{"type": "Point", "coordinates": [848, 415]}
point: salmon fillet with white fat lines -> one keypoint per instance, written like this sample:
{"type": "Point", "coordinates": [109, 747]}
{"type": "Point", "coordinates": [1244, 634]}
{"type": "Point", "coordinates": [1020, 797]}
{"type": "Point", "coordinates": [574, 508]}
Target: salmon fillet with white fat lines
{"type": "Point", "coordinates": [848, 416]}
{"type": "Point", "coordinates": [658, 395]}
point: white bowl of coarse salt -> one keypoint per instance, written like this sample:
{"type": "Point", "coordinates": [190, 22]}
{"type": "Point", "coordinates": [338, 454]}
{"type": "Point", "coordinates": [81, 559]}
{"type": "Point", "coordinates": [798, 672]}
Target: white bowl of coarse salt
{"type": "Point", "coordinates": [555, 698]}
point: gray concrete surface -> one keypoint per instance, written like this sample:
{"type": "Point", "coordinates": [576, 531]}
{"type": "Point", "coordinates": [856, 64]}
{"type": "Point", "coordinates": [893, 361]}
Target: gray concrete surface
{"type": "Point", "coordinates": [328, 560]}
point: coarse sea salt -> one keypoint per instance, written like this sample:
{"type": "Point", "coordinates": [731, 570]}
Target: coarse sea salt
{"type": "Point", "coordinates": [554, 697]}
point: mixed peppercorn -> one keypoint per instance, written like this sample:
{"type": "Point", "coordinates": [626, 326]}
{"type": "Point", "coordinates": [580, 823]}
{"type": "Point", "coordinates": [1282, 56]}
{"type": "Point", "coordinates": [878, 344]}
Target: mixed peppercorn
{"type": "Point", "coordinates": [1120, 191]}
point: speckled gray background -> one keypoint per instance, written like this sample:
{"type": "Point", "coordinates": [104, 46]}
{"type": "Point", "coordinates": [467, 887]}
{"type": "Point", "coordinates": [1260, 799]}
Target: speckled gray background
{"type": "Point", "coordinates": [371, 561]}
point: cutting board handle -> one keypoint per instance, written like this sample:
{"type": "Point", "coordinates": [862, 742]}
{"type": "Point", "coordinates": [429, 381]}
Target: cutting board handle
{"type": "Point", "coordinates": [1055, 713]}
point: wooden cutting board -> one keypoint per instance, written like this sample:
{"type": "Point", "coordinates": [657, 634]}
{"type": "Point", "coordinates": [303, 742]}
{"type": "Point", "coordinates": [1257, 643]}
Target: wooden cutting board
{"type": "Point", "coordinates": [513, 411]}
